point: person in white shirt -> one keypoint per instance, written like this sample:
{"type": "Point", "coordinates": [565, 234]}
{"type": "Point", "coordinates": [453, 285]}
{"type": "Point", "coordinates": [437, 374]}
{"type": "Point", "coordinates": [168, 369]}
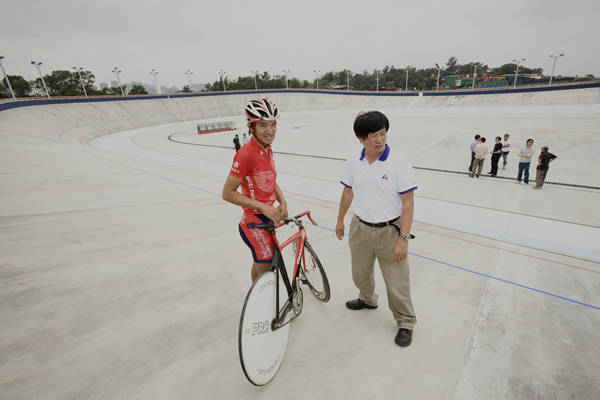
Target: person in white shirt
{"type": "Point", "coordinates": [245, 139]}
{"type": "Point", "coordinates": [525, 161]}
{"type": "Point", "coordinates": [379, 184]}
{"type": "Point", "coordinates": [480, 151]}
{"type": "Point", "coordinates": [505, 150]}
{"type": "Point", "coordinates": [475, 143]}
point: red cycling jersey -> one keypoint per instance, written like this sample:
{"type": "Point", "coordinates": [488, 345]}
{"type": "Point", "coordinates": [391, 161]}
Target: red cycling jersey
{"type": "Point", "coordinates": [256, 167]}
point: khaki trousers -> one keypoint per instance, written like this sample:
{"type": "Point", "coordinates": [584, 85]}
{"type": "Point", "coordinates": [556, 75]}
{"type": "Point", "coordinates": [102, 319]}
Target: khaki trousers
{"type": "Point", "coordinates": [366, 244]}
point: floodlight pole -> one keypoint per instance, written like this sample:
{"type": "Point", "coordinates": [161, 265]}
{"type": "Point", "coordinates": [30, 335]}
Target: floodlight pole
{"type": "Point", "coordinates": [437, 88]}
{"type": "Point", "coordinates": [117, 71]}
{"type": "Point", "coordinates": [554, 57]}
{"type": "Point", "coordinates": [286, 73]}
{"type": "Point", "coordinates": [474, 77]}
{"type": "Point", "coordinates": [317, 71]}
{"type": "Point", "coordinates": [255, 73]}
{"type": "Point", "coordinates": [87, 77]}
{"type": "Point", "coordinates": [406, 87]}
{"type": "Point", "coordinates": [517, 72]}
{"type": "Point", "coordinates": [189, 75]}
{"type": "Point", "coordinates": [155, 73]}
{"type": "Point", "coordinates": [377, 81]}
{"type": "Point", "coordinates": [79, 69]}
{"type": "Point", "coordinates": [348, 80]}
{"type": "Point", "coordinates": [6, 77]}
{"type": "Point", "coordinates": [222, 72]}
{"type": "Point", "coordinates": [37, 65]}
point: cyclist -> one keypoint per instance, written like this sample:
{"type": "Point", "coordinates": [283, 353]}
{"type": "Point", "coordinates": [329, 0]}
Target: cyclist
{"type": "Point", "coordinates": [253, 169]}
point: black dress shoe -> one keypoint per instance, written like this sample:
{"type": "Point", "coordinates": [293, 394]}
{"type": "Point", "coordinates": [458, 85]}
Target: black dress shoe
{"type": "Point", "coordinates": [403, 337]}
{"type": "Point", "coordinates": [358, 304]}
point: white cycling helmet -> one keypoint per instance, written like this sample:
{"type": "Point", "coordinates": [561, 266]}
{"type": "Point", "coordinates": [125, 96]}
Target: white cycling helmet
{"type": "Point", "coordinates": [261, 110]}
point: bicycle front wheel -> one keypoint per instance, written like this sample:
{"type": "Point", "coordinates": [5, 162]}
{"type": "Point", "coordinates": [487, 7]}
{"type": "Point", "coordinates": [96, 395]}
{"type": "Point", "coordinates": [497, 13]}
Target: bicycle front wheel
{"type": "Point", "coordinates": [313, 271]}
{"type": "Point", "coordinates": [261, 349]}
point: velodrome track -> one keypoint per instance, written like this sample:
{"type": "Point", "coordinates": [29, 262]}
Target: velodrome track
{"type": "Point", "coordinates": [123, 274]}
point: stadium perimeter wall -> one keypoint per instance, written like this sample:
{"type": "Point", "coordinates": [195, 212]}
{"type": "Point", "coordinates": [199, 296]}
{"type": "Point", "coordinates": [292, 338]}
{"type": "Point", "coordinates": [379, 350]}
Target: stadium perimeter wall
{"type": "Point", "coordinates": [82, 119]}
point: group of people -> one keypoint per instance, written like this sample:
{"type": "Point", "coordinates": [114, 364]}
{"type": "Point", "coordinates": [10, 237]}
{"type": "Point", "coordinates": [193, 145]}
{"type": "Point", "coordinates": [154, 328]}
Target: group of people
{"type": "Point", "coordinates": [379, 184]}
{"type": "Point", "coordinates": [501, 149]}
{"type": "Point", "coordinates": [236, 141]}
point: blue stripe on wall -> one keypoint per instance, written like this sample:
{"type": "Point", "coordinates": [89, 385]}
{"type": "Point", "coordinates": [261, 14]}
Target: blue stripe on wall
{"type": "Point", "coordinates": [26, 103]}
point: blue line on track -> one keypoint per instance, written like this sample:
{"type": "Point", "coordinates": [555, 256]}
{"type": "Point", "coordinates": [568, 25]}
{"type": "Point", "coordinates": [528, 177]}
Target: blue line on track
{"type": "Point", "coordinates": [488, 276]}
{"type": "Point", "coordinates": [333, 230]}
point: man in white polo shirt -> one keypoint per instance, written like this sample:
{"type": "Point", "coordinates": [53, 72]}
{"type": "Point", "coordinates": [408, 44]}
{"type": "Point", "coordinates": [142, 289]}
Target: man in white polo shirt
{"type": "Point", "coordinates": [379, 184]}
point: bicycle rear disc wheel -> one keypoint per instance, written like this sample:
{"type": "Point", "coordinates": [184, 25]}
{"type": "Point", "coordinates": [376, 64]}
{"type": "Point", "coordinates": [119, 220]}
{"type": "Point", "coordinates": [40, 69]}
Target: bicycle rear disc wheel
{"type": "Point", "coordinates": [261, 349]}
{"type": "Point", "coordinates": [316, 279]}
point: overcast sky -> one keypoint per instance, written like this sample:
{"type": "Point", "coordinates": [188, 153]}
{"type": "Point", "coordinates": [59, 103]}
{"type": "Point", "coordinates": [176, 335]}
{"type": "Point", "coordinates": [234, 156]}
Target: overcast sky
{"type": "Point", "coordinates": [239, 36]}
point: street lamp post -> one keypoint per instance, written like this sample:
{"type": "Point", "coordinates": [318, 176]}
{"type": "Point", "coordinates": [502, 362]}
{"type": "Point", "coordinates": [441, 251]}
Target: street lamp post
{"type": "Point", "coordinates": [406, 87]}
{"type": "Point", "coordinates": [317, 71]}
{"type": "Point", "coordinates": [117, 71]}
{"type": "Point", "coordinates": [6, 77]}
{"type": "Point", "coordinates": [474, 77]}
{"type": "Point", "coordinates": [79, 69]}
{"type": "Point", "coordinates": [221, 73]}
{"type": "Point", "coordinates": [437, 88]}
{"type": "Point", "coordinates": [255, 73]}
{"type": "Point", "coordinates": [189, 75]}
{"type": "Point", "coordinates": [377, 80]}
{"type": "Point", "coordinates": [554, 57]}
{"type": "Point", "coordinates": [155, 74]}
{"type": "Point", "coordinates": [517, 72]}
{"type": "Point", "coordinates": [37, 65]}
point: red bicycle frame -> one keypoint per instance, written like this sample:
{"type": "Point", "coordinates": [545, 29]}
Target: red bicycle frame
{"type": "Point", "coordinates": [300, 236]}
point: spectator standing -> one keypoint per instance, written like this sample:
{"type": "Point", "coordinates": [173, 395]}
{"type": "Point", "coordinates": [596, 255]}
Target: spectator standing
{"type": "Point", "coordinates": [525, 161]}
{"type": "Point", "coordinates": [475, 143]}
{"type": "Point", "coordinates": [544, 161]}
{"type": "Point", "coordinates": [245, 139]}
{"type": "Point", "coordinates": [505, 150]}
{"type": "Point", "coordinates": [480, 151]}
{"type": "Point", "coordinates": [236, 143]}
{"type": "Point", "coordinates": [496, 156]}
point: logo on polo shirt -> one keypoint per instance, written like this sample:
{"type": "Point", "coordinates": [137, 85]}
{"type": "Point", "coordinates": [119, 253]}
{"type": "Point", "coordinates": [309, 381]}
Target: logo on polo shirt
{"type": "Point", "coordinates": [384, 177]}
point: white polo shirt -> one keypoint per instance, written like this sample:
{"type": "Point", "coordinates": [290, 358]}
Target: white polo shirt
{"type": "Point", "coordinates": [377, 187]}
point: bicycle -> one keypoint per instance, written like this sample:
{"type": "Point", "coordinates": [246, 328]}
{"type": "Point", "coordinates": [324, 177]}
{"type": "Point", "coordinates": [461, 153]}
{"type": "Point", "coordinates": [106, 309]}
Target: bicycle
{"type": "Point", "coordinates": [264, 322]}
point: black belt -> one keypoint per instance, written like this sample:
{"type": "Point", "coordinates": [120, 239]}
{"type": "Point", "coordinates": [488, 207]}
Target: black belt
{"type": "Point", "coordinates": [384, 224]}
{"type": "Point", "coordinates": [380, 224]}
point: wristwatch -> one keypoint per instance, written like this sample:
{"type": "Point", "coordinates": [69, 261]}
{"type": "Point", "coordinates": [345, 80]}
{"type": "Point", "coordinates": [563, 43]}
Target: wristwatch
{"type": "Point", "coordinates": [405, 236]}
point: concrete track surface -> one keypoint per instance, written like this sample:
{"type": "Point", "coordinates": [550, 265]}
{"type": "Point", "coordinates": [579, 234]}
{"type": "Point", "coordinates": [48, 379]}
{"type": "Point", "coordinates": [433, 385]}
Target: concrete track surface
{"type": "Point", "coordinates": [122, 274]}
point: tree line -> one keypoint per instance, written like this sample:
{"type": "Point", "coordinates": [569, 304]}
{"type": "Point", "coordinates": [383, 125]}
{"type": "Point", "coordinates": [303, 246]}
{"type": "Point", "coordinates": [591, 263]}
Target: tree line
{"type": "Point", "coordinates": [63, 83]}
{"type": "Point", "coordinates": [390, 78]}
{"type": "Point", "coordinates": [68, 83]}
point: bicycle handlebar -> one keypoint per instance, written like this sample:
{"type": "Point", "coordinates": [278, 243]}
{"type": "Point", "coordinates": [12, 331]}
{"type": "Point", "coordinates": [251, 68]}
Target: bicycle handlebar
{"type": "Point", "coordinates": [270, 225]}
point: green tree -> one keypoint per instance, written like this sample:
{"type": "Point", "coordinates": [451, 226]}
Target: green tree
{"type": "Point", "coordinates": [137, 89]}
{"type": "Point", "coordinates": [451, 63]}
{"type": "Point", "coordinates": [20, 86]}
{"type": "Point", "coordinates": [112, 91]}
{"type": "Point", "coordinates": [61, 83]}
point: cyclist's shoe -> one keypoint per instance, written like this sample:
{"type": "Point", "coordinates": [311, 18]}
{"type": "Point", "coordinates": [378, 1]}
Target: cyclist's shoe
{"type": "Point", "coordinates": [358, 304]}
{"type": "Point", "coordinates": [403, 337]}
